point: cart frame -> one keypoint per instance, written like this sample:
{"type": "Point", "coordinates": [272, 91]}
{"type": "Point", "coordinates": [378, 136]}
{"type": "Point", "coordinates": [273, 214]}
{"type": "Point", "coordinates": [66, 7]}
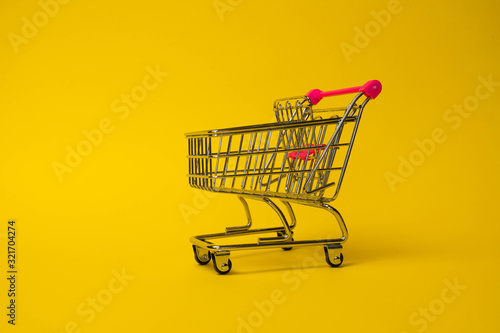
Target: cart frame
{"type": "Point", "coordinates": [292, 160]}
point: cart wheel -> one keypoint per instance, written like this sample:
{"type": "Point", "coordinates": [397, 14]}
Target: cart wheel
{"type": "Point", "coordinates": [337, 259]}
{"type": "Point", "coordinates": [201, 256]}
{"type": "Point", "coordinates": [288, 248]}
{"type": "Point", "coordinates": [285, 248]}
{"type": "Point", "coordinates": [222, 267]}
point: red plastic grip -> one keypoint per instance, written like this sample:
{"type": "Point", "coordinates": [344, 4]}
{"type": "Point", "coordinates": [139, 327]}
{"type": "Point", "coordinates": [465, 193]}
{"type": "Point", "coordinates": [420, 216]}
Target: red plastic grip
{"type": "Point", "coordinates": [371, 89]}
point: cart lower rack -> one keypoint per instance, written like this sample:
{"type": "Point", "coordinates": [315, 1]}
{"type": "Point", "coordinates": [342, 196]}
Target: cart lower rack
{"type": "Point", "coordinates": [300, 159]}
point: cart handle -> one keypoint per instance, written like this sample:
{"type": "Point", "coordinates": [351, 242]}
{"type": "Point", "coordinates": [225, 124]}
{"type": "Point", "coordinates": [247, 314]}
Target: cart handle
{"type": "Point", "coordinates": [371, 89]}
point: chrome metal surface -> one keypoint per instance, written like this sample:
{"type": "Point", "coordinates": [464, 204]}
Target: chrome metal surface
{"type": "Point", "coordinates": [249, 218]}
{"type": "Point", "coordinates": [300, 159]}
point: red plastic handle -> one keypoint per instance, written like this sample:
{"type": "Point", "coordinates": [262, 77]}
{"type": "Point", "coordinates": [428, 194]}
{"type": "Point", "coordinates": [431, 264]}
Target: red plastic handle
{"type": "Point", "coordinates": [371, 89]}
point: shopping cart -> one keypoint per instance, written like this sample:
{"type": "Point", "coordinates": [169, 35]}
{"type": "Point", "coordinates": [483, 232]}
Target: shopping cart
{"type": "Point", "coordinates": [301, 158]}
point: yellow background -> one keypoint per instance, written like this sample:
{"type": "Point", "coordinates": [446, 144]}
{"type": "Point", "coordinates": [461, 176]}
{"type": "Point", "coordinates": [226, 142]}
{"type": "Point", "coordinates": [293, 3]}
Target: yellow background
{"type": "Point", "coordinates": [119, 210]}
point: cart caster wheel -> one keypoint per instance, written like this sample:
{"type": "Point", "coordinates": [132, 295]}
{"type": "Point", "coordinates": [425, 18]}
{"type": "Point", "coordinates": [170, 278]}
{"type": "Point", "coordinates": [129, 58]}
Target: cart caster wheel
{"type": "Point", "coordinates": [201, 255]}
{"type": "Point", "coordinates": [288, 248]}
{"type": "Point", "coordinates": [222, 264]}
{"type": "Point", "coordinates": [285, 248]}
{"type": "Point", "coordinates": [338, 257]}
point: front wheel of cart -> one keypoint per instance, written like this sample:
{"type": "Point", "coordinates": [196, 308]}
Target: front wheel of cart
{"type": "Point", "coordinates": [285, 248]}
{"type": "Point", "coordinates": [334, 257]}
{"type": "Point", "coordinates": [201, 255]}
{"type": "Point", "coordinates": [222, 263]}
{"type": "Point", "coordinates": [288, 248]}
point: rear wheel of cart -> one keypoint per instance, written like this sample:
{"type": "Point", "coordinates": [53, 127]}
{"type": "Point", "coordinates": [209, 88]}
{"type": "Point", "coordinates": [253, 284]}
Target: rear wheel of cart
{"type": "Point", "coordinates": [334, 257]}
{"type": "Point", "coordinates": [222, 263]}
{"type": "Point", "coordinates": [285, 248]}
{"type": "Point", "coordinates": [201, 255]}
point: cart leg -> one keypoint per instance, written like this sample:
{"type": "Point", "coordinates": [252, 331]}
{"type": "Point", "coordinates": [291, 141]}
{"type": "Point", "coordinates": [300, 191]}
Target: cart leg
{"type": "Point", "coordinates": [293, 221]}
{"type": "Point", "coordinates": [336, 214]}
{"type": "Point", "coordinates": [339, 219]}
{"type": "Point", "coordinates": [221, 261]}
{"type": "Point", "coordinates": [249, 218]}
{"type": "Point", "coordinates": [290, 213]}
{"type": "Point", "coordinates": [283, 236]}
{"type": "Point", "coordinates": [333, 252]}
{"type": "Point", "coordinates": [333, 247]}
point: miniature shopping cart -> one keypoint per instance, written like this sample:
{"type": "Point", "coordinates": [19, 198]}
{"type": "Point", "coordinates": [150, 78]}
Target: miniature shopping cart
{"type": "Point", "coordinates": [301, 158]}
